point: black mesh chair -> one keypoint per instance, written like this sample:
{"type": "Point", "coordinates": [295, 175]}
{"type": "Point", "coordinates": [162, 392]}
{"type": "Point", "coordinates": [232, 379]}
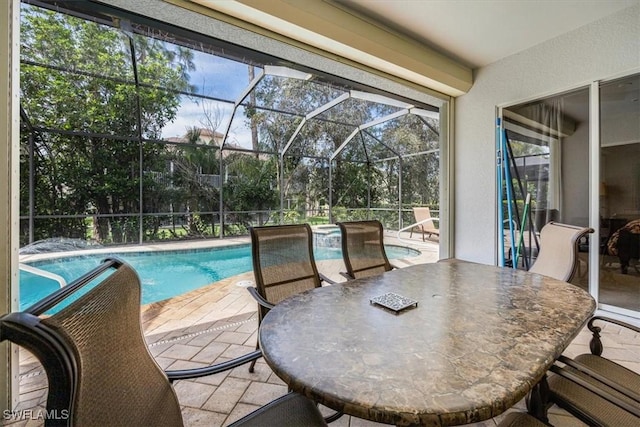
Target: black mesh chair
{"type": "Point", "coordinates": [283, 264]}
{"type": "Point", "coordinates": [363, 249]}
{"type": "Point", "coordinates": [98, 366]}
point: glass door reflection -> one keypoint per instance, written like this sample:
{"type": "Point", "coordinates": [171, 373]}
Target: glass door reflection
{"type": "Point", "coordinates": [619, 283]}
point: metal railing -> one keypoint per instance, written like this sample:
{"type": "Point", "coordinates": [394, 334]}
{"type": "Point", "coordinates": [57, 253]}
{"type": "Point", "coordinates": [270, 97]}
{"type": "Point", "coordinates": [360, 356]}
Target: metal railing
{"type": "Point", "coordinates": [43, 273]}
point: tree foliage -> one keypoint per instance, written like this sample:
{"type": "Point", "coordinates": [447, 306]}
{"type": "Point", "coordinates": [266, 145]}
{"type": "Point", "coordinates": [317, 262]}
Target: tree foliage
{"type": "Point", "coordinates": [360, 180]}
{"type": "Point", "coordinates": [96, 100]}
{"type": "Point", "coordinates": [77, 76]}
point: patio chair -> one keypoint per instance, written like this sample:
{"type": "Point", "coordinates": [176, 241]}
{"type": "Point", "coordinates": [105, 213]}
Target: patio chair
{"type": "Point", "coordinates": [363, 249]}
{"type": "Point", "coordinates": [424, 222]}
{"type": "Point", "coordinates": [603, 409]}
{"type": "Point", "coordinates": [99, 369]}
{"type": "Point", "coordinates": [558, 255]}
{"type": "Point", "coordinates": [614, 396]}
{"type": "Point", "coordinates": [283, 265]}
{"type": "Point", "coordinates": [583, 394]}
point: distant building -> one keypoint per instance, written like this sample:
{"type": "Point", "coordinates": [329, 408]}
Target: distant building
{"type": "Point", "coordinates": [205, 137]}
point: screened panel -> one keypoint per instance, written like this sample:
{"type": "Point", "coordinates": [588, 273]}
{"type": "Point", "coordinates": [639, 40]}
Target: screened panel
{"type": "Point", "coordinates": [291, 95]}
{"type": "Point", "coordinates": [125, 125]}
{"type": "Point", "coordinates": [424, 191]}
{"type": "Point", "coordinates": [251, 191]}
{"type": "Point", "coordinates": [305, 189]}
{"type": "Point", "coordinates": [355, 188]}
{"type": "Point", "coordinates": [242, 132]}
{"type": "Point", "coordinates": [354, 111]}
{"type": "Point", "coordinates": [210, 77]}
{"type": "Point", "coordinates": [271, 129]}
{"type": "Point", "coordinates": [62, 100]}
{"type": "Point", "coordinates": [407, 134]}
{"type": "Point", "coordinates": [198, 120]}
{"type": "Point", "coordinates": [319, 138]}
{"type": "Point", "coordinates": [77, 45]}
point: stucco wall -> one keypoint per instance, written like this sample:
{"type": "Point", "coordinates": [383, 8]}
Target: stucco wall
{"type": "Point", "coordinates": [604, 49]}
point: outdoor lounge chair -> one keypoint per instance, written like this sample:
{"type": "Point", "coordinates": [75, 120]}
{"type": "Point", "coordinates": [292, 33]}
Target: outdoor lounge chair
{"type": "Point", "coordinates": [283, 265]}
{"type": "Point", "coordinates": [363, 249]}
{"type": "Point", "coordinates": [99, 369]}
{"type": "Point", "coordinates": [558, 255]}
{"type": "Point", "coordinates": [424, 222]}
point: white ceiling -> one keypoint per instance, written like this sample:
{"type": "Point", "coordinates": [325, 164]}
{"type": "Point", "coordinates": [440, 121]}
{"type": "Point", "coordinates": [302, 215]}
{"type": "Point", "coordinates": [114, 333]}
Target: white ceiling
{"type": "Point", "coordinates": [479, 32]}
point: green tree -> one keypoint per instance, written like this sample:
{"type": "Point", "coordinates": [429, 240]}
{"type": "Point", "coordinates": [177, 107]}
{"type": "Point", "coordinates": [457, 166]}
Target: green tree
{"type": "Point", "coordinates": [196, 166]}
{"type": "Point", "coordinates": [251, 186]}
{"type": "Point", "coordinates": [78, 77]}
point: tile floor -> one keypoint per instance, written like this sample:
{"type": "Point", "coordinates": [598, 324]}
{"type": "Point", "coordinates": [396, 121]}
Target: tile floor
{"type": "Point", "coordinates": [219, 322]}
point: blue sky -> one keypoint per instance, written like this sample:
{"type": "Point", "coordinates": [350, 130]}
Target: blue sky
{"type": "Point", "coordinates": [216, 77]}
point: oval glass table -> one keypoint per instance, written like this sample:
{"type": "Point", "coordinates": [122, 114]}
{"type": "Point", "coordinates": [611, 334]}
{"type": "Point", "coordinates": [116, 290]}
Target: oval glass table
{"type": "Point", "coordinates": [473, 341]}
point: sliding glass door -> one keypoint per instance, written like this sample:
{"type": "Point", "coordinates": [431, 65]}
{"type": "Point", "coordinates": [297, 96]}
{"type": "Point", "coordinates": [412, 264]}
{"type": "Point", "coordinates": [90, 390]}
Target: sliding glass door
{"type": "Point", "coordinates": [546, 145]}
{"type": "Point", "coordinates": [619, 193]}
{"type": "Point", "coordinates": [575, 158]}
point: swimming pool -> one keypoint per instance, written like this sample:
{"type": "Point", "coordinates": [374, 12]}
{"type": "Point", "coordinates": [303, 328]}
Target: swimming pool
{"type": "Point", "coordinates": [165, 274]}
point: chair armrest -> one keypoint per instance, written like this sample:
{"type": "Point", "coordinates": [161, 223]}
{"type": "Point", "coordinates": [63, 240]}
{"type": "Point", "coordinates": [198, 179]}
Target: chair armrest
{"type": "Point", "coordinates": [596, 344]}
{"type": "Point", "coordinates": [263, 302]}
{"type": "Point", "coordinates": [326, 279]}
{"type": "Point", "coordinates": [347, 275]}
{"type": "Point", "coordinates": [620, 388]}
{"type": "Point", "coordinates": [573, 377]}
{"type": "Point", "coordinates": [184, 374]}
{"type": "Point", "coordinates": [350, 277]}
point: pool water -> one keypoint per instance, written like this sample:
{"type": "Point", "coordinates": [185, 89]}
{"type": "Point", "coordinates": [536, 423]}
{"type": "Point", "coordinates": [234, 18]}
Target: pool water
{"type": "Point", "coordinates": [165, 274]}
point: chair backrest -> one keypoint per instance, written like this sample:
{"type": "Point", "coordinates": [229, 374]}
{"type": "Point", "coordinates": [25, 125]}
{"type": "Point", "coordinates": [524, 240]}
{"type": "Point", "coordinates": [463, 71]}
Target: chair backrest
{"type": "Point", "coordinates": [363, 248]}
{"type": "Point", "coordinates": [98, 365]}
{"type": "Point", "coordinates": [421, 214]}
{"type": "Point", "coordinates": [283, 261]}
{"type": "Point", "coordinates": [558, 255]}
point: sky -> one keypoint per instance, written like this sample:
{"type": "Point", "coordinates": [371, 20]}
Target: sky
{"type": "Point", "coordinates": [216, 77]}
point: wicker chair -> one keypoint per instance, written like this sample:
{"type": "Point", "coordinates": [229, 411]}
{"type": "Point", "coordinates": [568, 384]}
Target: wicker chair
{"type": "Point", "coordinates": [558, 256]}
{"type": "Point", "coordinates": [283, 265]}
{"type": "Point", "coordinates": [363, 249]}
{"type": "Point", "coordinates": [99, 369]}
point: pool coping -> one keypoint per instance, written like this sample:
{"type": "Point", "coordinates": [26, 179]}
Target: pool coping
{"type": "Point", "coordinates": [132, 248]}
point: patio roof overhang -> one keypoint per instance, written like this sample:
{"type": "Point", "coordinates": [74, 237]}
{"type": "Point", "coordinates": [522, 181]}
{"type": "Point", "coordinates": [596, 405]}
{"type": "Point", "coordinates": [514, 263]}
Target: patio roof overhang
{"type": "Point", "coordinates": [327, 26]}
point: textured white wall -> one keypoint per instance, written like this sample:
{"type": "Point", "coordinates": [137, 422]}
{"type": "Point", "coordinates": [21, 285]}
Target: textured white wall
{"type": "Point", "coordinates": [601, 50]}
